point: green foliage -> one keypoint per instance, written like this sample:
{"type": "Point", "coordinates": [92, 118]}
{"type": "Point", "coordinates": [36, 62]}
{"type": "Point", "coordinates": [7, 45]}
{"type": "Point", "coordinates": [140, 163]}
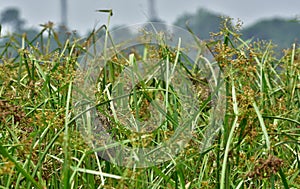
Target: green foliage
{"type": "Point", "coordinates": [41, 146]}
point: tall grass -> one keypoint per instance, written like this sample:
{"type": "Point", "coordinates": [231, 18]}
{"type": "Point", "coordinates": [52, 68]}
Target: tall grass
{"type": "Point", "coordinates": [41, 146]}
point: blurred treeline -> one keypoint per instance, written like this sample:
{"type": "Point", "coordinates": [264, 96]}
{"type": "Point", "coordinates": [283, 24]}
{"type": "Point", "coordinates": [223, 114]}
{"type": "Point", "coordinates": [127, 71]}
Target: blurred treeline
{"type": "Point", "coordinates": [281, 31]}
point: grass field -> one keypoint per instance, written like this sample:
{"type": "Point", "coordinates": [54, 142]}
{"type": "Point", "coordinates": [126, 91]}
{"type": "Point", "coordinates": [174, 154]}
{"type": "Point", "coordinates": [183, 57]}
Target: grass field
{"type": "Point", "coordinates": [41, 145]}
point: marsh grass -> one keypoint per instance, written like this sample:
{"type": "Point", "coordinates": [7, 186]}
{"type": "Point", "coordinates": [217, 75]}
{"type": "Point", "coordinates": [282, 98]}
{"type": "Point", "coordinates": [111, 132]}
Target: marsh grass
{"type": "Point", "coordinates": [41, 146]}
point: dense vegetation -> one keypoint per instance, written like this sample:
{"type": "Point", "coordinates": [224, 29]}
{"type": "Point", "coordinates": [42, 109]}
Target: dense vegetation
{"type": "Point", "coordinates": [40, 145]}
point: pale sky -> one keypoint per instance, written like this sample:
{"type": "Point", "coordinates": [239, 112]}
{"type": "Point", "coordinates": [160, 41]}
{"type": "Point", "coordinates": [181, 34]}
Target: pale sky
{"type": "Point", "coordinates": [83, 17]}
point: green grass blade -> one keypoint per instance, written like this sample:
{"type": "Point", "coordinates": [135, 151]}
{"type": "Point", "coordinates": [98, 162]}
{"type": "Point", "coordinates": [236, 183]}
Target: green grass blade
{"type": "Point", "coordinates": [230, 137]}
{"type": "Point", "coordinates": [20, 168]}
{"type": "Point", "coordinates": [283, 179]}
{"type": "Point", "coordinates": [66, 168]}
{"type": "Point", "coordinates": [263, 126]}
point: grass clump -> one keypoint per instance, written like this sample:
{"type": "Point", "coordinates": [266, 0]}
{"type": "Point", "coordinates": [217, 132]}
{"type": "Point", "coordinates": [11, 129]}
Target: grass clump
{"type": "Point", "coordinates": [41, 146]}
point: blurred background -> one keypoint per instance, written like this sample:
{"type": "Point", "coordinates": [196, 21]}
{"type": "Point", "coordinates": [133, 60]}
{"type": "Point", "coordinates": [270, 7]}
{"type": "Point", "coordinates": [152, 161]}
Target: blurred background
{"type": "Point", "coordinates": [267, 20]}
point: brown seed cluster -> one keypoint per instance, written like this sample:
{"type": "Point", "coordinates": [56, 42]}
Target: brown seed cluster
{"type": "Point", "coordinates": [8, 109]}
{"type": "Point", "coordinates": [264, 168]}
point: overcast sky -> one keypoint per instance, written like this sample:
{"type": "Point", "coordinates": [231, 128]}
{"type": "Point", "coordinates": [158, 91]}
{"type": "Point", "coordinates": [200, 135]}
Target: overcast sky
{"type": "Point", "coordinates": [82, 15]}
